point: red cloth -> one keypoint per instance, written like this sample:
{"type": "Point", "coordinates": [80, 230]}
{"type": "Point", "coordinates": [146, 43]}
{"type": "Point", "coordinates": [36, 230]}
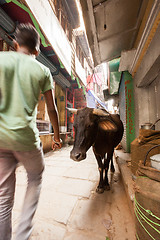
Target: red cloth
{"type": "Point", "coordinates": [71, 119]}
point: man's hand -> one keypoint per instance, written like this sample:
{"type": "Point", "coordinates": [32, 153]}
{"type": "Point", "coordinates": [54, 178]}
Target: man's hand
{"type": "Point", "coordinates": [56, 144]}
{"type": "Point", "coordinates": [53, 115]}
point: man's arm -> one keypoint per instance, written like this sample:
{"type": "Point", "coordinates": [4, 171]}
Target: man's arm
{"type": "Point", "coordinates": [53, 115]}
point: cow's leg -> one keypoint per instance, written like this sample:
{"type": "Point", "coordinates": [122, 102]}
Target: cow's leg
{"type": "Point", "coordinates": [112, 166]}
{"type": "Point", "coordinates": [100, 187]}
{"type": "Point", "coordinates": [106, 167]}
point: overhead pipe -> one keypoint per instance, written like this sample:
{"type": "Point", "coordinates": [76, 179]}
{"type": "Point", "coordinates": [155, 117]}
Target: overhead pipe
{"type": "Point", "coordinates": [42, 58]}
{"type": "Point", "coordinates": [6, 22]}
{"type": "Point", "coordinates": [62, 79]}
{"type": "Point", "coordinates": [6, 37]}
{"type": "Point", "coordinates": [2, 2]}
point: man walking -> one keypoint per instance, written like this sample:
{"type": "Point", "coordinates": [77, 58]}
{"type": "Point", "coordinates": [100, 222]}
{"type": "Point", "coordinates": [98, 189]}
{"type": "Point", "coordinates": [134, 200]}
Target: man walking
{"type": "Point", "coordinates": [22, 78]}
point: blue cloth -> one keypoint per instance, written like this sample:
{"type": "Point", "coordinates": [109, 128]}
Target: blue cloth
{"type": "Point", "coordinates": [91, 100]}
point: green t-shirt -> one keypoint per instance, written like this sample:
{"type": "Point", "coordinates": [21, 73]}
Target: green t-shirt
{"type": "Point", "coordinates": [22, 78]}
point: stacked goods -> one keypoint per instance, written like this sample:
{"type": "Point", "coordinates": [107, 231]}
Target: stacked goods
{"type": "Point", "coordinates": [140, 146]}
{"type": "Point", "coordinates": [147, 203]}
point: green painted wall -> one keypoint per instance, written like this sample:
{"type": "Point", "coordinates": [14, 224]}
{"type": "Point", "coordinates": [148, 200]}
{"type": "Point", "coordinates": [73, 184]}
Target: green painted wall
{"type": "Point", "coordinates": [129, 105]}
{"type": "Point", "coordinates": [114, 76]}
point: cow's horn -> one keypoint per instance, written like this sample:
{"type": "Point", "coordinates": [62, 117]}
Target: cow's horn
{"type": "Point", "coordinates": [100, 112]}
{"type": "Point", "coordinates": [73, 110]}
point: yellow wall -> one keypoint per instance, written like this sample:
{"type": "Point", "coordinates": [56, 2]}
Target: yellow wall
{"type": "Point", "coordinates": [42, 113]}
{"type": "Point", "coordinates": [60, 96]}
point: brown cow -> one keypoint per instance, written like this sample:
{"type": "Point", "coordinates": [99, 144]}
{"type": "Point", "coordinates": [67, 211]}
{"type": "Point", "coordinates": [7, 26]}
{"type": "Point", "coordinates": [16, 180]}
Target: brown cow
{"type": "Point", "coordinates": [102, 131]}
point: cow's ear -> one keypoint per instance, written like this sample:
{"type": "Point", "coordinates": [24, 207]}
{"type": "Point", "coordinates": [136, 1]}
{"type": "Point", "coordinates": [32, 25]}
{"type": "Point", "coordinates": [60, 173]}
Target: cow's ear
{"type": "Point", "coordinates": [107, 125]}
{"type": "Point", "coordinates": [72, 110]}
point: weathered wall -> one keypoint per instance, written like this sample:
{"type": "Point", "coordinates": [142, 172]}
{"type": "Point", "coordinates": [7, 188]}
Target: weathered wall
{"type": "Point", "coordinates": [149, 68]}
{"type": "Point", "coordinates": [141, 103]}
{"type": "Point", "coordinates": [154, 102]}
{"type": "Point", "coordinates": [147, 86]}
{"type": "Point", "coordinates": [147, 107]}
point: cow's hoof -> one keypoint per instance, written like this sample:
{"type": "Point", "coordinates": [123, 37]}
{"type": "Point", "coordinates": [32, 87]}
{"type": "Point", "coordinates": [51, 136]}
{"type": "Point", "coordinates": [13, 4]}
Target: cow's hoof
{"type": "Point", "coordinates": [107, 187]}
{"type": "Point", "coordinates": [99, 190]}
{"type": "Point", "coordinates": [113, 170]}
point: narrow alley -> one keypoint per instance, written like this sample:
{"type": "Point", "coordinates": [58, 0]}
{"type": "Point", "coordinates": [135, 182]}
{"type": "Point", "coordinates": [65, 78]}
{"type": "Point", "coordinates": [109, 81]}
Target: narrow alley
{"type": "Point", "coordinates": [71, 63]}
{"type": "Point", "coordinates": [69, 207]}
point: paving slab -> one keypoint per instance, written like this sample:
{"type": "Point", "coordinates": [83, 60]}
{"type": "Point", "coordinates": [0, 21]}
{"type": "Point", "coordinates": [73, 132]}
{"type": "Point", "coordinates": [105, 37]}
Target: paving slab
{"type": "Point", "coordinates": [69, 207]}
{"type": "Point", "coordinates": [86, 212]}
{"type": "Point", "coordinates": [55, 171]}
{"type": "Point", "coordinates": [89, 173]}
{"type": "Point", "coordinates": [76, 187]}
{"type": "Point", "coordinates": [108, 212]}
{"type": "Point", "coordinates": [50, 182]}
{"type": "Point", "coordinates": [47, 231]}
{"type": "Point", "coordinates": [82, 235]}
{"type": "Point", "coordinates": [55, 206]}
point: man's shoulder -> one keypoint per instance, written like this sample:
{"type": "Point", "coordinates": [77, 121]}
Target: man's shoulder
{"type": "Point", "coordinates": [7, 53]}
{"type": "Point", "coordinates": [27, 60]}
{"type": "Point", "coordinates": [7, 58]}
{"type": "Point", "coordinates": [11, 55]}
{"type": "Point", "coordinates": [32, 62]}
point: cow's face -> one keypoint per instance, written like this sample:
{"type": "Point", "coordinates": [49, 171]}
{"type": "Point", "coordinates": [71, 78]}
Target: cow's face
{"type": "Point", "coordinates": [87, 123]}
{"type": "Point", "coordinates": [85, 126]}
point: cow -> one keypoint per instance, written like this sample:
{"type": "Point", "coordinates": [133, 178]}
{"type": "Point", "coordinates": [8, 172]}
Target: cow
{"type": "Point", "coordinates": [102, 131]}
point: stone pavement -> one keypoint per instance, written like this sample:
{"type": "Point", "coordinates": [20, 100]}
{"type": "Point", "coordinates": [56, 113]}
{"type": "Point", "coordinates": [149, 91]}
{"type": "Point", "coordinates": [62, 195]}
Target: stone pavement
{"type": "Point", "coordinates": [69, 207]}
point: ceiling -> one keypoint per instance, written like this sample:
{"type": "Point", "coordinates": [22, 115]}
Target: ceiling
{"type": "Point", "coordinates": [112, 26]}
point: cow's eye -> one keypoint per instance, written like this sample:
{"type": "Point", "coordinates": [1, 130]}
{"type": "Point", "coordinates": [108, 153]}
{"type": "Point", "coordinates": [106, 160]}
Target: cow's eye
{"type": "Point", "coordinates": [81, 117]}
